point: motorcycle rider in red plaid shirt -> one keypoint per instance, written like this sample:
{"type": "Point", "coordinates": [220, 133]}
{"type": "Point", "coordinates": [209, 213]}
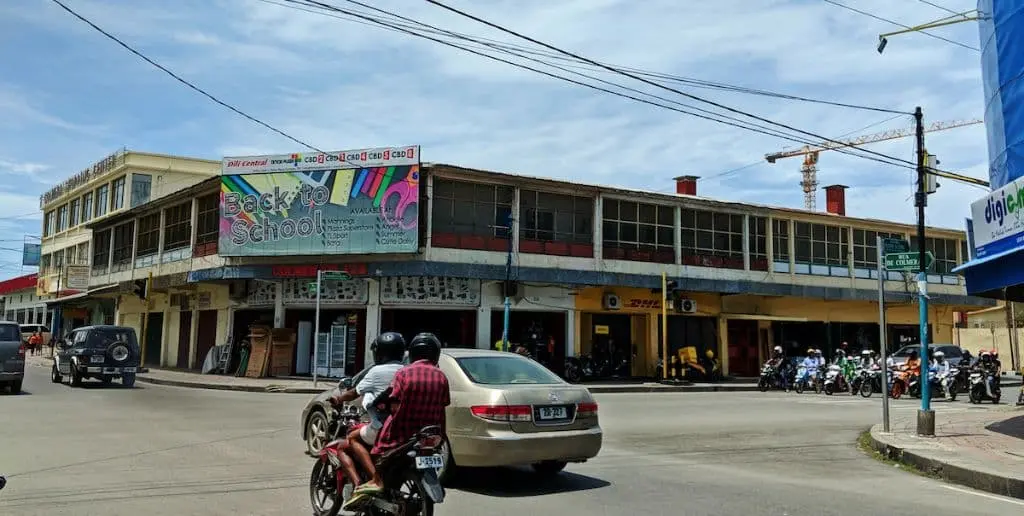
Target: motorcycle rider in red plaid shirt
{"type": "Point", "coordinates": [419, 395]}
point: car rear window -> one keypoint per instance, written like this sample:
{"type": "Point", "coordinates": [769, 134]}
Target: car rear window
{"type": "Point", "coordinates": [498, 370]}
{"type": "Point", "coordinates": [9, 332]}
{"type": "Point", "coordinates": [951, 351]}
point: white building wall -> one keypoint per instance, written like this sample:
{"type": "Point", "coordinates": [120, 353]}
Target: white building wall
{"type": "Point", "coordinates": [27, 302]}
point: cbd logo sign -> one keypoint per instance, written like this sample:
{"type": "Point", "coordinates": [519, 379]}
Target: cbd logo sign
{"type": "Point", "coordinates": [642, 303]}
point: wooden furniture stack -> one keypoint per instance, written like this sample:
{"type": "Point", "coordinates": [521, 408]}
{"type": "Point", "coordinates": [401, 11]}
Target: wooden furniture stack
{"type": "Point", "coordinates": [272, 351]}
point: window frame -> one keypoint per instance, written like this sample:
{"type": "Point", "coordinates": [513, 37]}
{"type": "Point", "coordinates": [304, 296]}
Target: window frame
{"type": "Point", "coordinates": [102, 203]}
{"type": "Point", "coordinates": [117, 193]}
{"type": "Point", "coordinates": [460, 213]}
{"type": "Point", "coordinates": [147, 238]}
{"type": "Point", "coordinates": [580, 212]}
{"type": "Point", "coordinates": [101, 249]}
{"type": "Point", "coordinates": [182, 225]}
{"type": "Point", "coordinates": [136, 187]}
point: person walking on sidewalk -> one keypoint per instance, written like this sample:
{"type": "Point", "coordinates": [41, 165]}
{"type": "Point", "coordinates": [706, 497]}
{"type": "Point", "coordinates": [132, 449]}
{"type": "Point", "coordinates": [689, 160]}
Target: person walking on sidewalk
{"type": "Point", "coordinates": [35, 343]}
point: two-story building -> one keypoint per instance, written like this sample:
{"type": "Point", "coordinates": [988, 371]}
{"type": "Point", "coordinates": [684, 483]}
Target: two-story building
{"type": "Point", "coordinates": [20, 301]}
{"type": "Point", "coordinates": [585, 265]}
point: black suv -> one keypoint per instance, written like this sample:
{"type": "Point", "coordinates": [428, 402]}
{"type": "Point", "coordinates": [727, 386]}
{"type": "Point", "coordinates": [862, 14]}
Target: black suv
{"type": "Point", "coordinates": [102, 352]}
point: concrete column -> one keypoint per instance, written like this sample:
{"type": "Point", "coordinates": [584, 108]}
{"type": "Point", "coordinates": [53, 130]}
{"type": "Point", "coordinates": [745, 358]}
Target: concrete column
{"type": "Point", "coordinates": [110, 254]}
{"type": "Point", "coordinates": [278, 304]}
{"type": "Point", "coordinates": [599, 232]}
{"type": "Point", "coordinates": [723, 344]}
{"type": "Point", "coordinates": [677, 233]}
{"type": "Point", "coordinates": [372, 319]}
{"type": "Point", "coordinates": [163, 235]}
{"type": "Point", "coordinates": [769, 244]}
{"type": "Point", "coordinates": [483, 324]}
{"type": "Point", "coordinates": [193, 337]}
{"type": "Point", "coordinates": [135, 241]}
{"type": "Point", "coordinates": [194, 225]}
{"type": "Point", "coordinates": [746, 242]}
{"type": "Point", "coordinates": [570, 332]}
{"type": "Point", "coordinates": [791, 242]}
{"type": "Point", "coordinates": [430, 213]}
{"type": "Point", "coordinates": [849, 249]}
{"type": "Point", "coordinates": [516, 219]}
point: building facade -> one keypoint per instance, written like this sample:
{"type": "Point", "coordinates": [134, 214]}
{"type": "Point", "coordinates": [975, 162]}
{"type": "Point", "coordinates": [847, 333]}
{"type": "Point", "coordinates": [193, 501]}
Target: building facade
{"type": "Point", "coordinates": [21, 303]}
{"type": "Point", "coordinates": [118, 183]}
{"type": "Point", "coordinates": [586, 266]}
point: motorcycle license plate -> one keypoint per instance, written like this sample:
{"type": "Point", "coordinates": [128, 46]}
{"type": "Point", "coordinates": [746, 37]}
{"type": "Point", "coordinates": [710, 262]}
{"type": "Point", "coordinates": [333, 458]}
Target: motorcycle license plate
{"type": "Point", "coordinates": [429, 462]}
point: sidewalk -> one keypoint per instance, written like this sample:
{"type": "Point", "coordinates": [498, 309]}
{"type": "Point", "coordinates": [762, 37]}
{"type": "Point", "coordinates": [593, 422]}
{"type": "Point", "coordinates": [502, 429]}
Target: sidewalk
{"type": "Point", "coordinates": [305, 386]}
{"type": "Point", "coordinates": [982, 448]}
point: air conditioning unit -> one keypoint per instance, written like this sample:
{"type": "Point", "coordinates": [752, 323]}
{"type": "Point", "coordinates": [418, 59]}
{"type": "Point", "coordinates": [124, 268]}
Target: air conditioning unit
{"type": "Point", "coordinates": [686, 306]}
{"type": "Point", "coordinates": [611, 302]}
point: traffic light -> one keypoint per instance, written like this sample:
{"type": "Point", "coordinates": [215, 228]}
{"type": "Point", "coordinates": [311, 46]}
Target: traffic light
{"type": "Point", "coordinates": [141, 288]}
{"type": "Point", "coordinates": [670, 288]}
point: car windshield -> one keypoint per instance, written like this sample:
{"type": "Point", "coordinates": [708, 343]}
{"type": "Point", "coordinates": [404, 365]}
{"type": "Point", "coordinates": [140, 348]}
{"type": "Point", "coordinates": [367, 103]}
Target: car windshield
{"type": "Point", "coordinates": [9, 332]}
{"type": "Point", "coordinates": [506, 370]}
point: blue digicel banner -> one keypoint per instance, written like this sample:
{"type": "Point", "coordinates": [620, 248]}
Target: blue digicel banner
{"type": "Point", "coordinates": [1002, 64]}
{"type": "Point", "coordinates": [998, 220]}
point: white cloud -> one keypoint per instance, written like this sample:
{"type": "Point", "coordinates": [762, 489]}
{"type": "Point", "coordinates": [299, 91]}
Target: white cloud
{"type": "Point", "coordinates": [340, 84]}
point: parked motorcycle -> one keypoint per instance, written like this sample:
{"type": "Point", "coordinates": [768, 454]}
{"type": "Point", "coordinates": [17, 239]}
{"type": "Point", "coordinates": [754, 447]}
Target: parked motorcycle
{"type": "Point", "coordinates": [410, 473]}
{"type": "Point", "coordinates": [862, 383]}
{"type": "Point", "coordinates": [898, 383]}
{"type": "Point", "coordinates": [834, 380]}
{"type": "Point", "coordinates": [770, 378]}
{"type": "Point", "coordinates": [984, 386]}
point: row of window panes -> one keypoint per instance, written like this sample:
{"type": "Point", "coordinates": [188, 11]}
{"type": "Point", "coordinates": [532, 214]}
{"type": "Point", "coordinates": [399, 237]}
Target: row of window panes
{"type": "Point", "coordinates": [479, 209]}
{"type": "Point", "coordinates": [177, 229]}
{"type": "Point", "coordinates": [83, 209]}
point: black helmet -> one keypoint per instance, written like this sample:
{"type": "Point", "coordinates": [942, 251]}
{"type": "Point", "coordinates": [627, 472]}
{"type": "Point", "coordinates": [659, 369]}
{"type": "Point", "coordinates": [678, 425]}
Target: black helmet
{"type": "Point", "coordinates": [424, 346]}
{"type": "Point", "coordinates": [388, 347]}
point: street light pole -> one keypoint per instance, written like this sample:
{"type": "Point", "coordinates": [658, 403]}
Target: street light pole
{"type": "Point", "coordinates": [925, 416]}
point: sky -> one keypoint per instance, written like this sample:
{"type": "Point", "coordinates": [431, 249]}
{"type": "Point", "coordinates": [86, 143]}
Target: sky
{"type": "Point", "coordinates": [69, 96]}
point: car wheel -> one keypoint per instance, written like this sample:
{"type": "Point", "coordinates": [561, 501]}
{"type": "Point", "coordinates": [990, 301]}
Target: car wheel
{"type": "Point", "coordinates": [76, 377]}
{"type": "Point", "coordinates": [447, 473]}
{"type": "Point", "coordinates": [549, 467]}
{"type": "Point", "coordinates": [55, 374]}
{"type": "Point", "coordinates": [16, 387]}
{"type": "Point", "coordinates": [316, 432]}
{"type": "Point", "coordinates": [128, 380]}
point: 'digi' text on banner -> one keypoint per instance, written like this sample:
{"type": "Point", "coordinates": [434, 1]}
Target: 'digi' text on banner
{"type": "Point", "coordinates": [272, 211]}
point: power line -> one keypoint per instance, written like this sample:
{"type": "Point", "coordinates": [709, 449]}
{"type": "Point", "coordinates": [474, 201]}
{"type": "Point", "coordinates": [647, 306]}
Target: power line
{"type": "Point", "coordinates": [661, 86]}
{"type": "Point", "coordinates": [416, 25]}
{"type": "Point", "coordinates": [898, 24]}
{"type": "Point", "coordinates": [944, 8]}
{"type": "Point", "coordinates": [715, 117]}
{"type": "Point", "coordinates": [178, 78]}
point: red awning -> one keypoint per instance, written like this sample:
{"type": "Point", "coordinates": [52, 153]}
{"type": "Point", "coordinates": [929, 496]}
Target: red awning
{"type": "Point", "coordinates": [25, 282]}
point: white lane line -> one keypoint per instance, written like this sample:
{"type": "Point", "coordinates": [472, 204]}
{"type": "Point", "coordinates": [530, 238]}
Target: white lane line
{"type": "Point", "coordinates": [985, 495]}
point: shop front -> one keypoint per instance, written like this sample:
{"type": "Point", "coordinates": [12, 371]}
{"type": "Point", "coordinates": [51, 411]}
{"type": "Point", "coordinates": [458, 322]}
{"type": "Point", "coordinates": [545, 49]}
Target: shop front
{"type": "Point", "coordinates": [444, 306]}
{"type": "Point", "coordinates": [539, 318]}
{"type": "Point", "coordinates": [623, 326]}
{"type": "Point", "coordinates": [343, 317]}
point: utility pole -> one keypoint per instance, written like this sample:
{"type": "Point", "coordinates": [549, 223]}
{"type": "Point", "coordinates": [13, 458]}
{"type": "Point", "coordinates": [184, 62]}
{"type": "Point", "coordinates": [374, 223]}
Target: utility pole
{"type": "Point", "coordinates": [508, 285]}
{"type": "Point", "coordinates": [925, 416]}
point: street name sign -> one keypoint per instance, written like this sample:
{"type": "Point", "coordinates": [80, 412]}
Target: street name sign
{"type": "Point", "coordinates": [908, 261]}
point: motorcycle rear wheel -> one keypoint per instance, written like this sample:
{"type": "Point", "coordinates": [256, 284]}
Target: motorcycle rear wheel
{"type": "Point", "coordinates": [830, 388]}
{"type": "Point", "coordinates": [799, 387]}
{"type": "Point", "coordinates": [762, 384]}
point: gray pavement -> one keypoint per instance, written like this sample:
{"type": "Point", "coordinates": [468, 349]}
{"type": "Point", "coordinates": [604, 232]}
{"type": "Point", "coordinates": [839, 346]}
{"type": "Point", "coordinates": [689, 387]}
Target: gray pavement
{"type": "Point", "coordinates": [160, 450]}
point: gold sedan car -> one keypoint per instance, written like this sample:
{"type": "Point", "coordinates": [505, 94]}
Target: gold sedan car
{"type": "Point", "coordinates": [509, 410]}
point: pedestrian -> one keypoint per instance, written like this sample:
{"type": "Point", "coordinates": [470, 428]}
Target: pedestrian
{"type": "Point", "coordinates": [35, 342]}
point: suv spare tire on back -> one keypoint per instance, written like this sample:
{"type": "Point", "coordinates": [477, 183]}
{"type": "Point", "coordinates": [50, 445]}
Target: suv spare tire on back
{"type": "Point", "coordinates": [118, 352]}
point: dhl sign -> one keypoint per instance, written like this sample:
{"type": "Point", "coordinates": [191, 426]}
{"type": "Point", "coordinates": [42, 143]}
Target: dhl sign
{"type": "Point", "coordinates": [642, 303]}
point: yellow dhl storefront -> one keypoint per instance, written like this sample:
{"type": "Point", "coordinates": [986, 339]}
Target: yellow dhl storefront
{"type": "Point", "coordinates": [625, 323]}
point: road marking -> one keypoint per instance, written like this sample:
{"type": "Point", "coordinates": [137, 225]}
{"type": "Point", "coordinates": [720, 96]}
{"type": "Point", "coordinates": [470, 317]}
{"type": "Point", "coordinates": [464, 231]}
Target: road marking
{"type": "Point", "coordinates": [984, 495]}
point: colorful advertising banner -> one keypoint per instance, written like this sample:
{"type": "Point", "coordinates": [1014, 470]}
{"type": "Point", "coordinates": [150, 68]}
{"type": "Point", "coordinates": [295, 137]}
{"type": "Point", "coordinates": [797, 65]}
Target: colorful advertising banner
{"type": "Point", "coordinates": [345, 202]}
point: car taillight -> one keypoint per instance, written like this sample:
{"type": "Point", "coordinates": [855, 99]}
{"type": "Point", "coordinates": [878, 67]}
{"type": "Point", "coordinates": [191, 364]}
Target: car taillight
{"type": "Point", "coordinates": [21, 350]}
{"type": "Point", "coordinates": [586, 409]}
{"type": "Point", "coordinates": [504, 413]}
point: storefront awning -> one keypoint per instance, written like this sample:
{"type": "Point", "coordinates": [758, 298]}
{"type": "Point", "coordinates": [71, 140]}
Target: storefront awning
{"type": "Point", "coordinates": [79, 296]}
{"type": "Point", "coordinates": [990, 275]}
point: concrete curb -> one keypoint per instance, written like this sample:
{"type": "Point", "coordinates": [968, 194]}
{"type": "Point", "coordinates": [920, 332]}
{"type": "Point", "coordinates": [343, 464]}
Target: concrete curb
{"type": "Point", "coordinates": [597, 389]}
{"type": "Point", "coordinates": [980, 480]}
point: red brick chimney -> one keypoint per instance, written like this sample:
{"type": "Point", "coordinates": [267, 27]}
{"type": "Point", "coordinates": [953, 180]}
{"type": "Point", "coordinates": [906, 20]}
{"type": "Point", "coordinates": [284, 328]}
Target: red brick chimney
{"type": "Point", "coordinates": [686, 185]}
{"type": "Point", "coordinates": [835, 199]}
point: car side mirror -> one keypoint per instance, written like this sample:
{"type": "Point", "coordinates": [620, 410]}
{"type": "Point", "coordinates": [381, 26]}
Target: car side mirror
{"type": "Point", "coordinates": [345, 383]}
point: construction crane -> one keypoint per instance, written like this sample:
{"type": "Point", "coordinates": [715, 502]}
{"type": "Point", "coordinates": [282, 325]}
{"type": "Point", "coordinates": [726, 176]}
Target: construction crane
{"type": "Point", "coordinates": [809, 170]}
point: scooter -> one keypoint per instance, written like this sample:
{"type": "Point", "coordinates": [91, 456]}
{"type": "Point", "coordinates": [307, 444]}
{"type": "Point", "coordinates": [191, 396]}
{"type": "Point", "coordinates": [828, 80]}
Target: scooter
{"type": "Point", "coordinates": [834, 380]}
{"type": "Point", "coordinates": [984, 386]}
{"type": "Point", "coordinates": [898, 381]}
{"type": "Point", "coordinates": [806, 378]}
{"type": "Point", "coordinates": [950, 383]}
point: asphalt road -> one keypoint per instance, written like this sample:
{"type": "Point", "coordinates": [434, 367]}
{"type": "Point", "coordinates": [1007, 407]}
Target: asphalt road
{"type": "Point", "coordinates": [170, 451]}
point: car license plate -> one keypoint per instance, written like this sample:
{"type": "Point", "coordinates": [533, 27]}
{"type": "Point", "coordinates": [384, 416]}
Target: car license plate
{"type": "Point", "coordinates": [96, 359]}
{"type": "Point", "coordinates": [429, 462]}
{"type": "Point", "coordinates": [549, 413]}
